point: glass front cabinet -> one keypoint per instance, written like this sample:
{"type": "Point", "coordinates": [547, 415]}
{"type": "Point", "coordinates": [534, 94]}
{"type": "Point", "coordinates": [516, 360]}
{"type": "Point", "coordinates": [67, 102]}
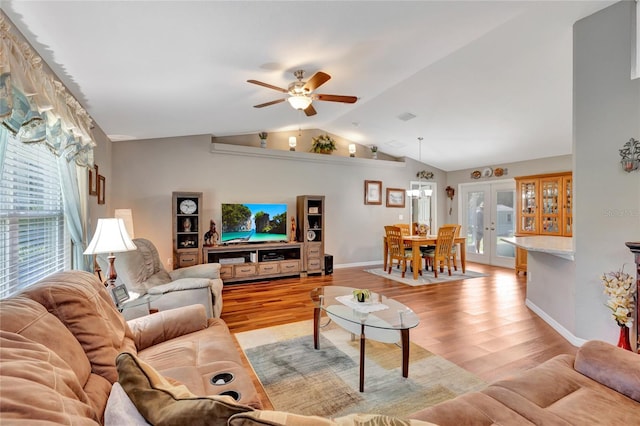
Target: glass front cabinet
{"type": "Point", "coordinates": [544, 207]}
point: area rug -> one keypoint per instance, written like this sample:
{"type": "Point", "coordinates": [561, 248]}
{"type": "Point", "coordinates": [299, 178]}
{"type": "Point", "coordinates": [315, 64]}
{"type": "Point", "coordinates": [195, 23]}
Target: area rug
{"type": "Point", "coordinates": [427, 277]}
{"type": "Point", "coordinates": [324, 382]}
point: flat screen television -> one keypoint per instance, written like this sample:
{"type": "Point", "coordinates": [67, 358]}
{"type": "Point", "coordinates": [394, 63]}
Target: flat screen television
{"type": "Point", "coordinates": [253, 223]}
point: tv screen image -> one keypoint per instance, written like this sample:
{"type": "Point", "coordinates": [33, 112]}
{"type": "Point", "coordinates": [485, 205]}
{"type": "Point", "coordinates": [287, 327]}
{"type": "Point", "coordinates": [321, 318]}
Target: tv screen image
{"type": "Point", "coordinates": [251, 223]}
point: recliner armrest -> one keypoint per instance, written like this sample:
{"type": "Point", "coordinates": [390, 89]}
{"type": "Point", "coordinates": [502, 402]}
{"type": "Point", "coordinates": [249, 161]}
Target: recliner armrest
{"type": "Point", "coordinates": [180, 285]}
{"type": "Point", "coordinates": [614, 367]}
{"type": "Point", "coordinates": [205, 270]}
{"type": "Point", "coordinates": [152, 329]}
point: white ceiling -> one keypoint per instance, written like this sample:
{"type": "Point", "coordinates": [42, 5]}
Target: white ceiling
{"type": "Point", "coordinates": [489, 82]}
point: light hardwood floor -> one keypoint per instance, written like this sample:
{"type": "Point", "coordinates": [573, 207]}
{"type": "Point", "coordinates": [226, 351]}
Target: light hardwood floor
{"type": "Point", "coordinates": [480, 324]}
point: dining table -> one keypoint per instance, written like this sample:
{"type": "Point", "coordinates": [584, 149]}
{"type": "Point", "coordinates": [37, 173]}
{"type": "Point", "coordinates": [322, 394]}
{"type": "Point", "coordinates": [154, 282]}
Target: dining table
{"type": "Point", "coordinates": [424, 240]}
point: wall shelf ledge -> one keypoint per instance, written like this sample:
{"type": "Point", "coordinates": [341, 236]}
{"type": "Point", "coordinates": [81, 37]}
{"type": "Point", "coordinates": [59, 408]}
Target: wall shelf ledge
{"type": "Point", "coordinates": [228, 149]}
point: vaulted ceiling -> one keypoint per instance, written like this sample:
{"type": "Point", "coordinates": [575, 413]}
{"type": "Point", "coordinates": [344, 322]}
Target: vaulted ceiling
{"type": "Point", "coordinates": [489, 82]}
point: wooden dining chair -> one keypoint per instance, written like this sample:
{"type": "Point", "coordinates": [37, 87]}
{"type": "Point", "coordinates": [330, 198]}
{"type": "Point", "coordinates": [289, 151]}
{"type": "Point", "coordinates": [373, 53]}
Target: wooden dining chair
{"type": "Point", "coordinates": [405, 229]}
{"type": "Point", "coordinates": [442, 252]}
{"type": "Point", "coordinates": [397, 250]}
{"type": "Point", "coordinates": [454, 247]}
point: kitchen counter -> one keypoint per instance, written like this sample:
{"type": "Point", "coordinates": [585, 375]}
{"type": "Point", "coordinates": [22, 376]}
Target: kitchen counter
{"type": "Point", "coordinates": [557, 246]}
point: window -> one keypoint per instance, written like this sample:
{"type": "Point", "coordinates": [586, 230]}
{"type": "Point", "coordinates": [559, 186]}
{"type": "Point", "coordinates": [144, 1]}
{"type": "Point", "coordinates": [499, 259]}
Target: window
{"type": "Point", "coordinates": [33, 240]}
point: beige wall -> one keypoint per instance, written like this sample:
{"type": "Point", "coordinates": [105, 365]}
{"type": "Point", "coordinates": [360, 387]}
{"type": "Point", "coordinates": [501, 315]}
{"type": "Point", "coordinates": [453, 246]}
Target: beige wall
{"type": "Point", "coordinates": [146, 172]}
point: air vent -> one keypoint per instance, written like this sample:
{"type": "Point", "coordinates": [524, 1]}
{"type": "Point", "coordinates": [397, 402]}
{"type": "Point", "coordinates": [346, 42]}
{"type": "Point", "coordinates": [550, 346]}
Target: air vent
{"type": "Point", "coordinates": [406, 116]}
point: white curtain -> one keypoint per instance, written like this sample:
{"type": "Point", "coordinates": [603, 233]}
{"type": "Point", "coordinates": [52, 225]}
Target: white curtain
{"type": "Point", "coordinates": [36, 108]}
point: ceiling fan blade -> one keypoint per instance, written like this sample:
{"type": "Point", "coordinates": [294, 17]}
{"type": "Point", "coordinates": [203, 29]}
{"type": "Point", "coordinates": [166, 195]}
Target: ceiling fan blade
{"type": "Point", "coordinates": [336, 98]}
{"type": "Point", "coordinates": [277, 101]}
{"type": "Point", "coordinates": [310, 110]}
{"type": "Point", "coordinates": [316, 80]}
{"type": "Point", "coordinates": [268, 86]}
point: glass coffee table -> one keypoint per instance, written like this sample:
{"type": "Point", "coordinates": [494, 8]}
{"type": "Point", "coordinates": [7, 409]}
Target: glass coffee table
{"type": "Point", "coordinates": [380, 319]}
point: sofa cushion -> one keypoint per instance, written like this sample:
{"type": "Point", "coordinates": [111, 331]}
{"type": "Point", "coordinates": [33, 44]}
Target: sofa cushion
{"type": "Point", "coordinates": [615, 368]}
{"type": "Point", "coordinates": [38, 386]}
{"type": "Point", "coordinates": [161, 402]}
{"type": "Point", "coordinates": [30, 319]}
{"type": "Point", "coordinates": [85, 307]}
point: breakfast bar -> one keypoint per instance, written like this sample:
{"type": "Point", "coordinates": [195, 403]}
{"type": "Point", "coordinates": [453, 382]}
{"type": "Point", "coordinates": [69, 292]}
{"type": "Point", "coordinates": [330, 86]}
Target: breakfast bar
{"type": "Point", "coordinates": [557, 246]}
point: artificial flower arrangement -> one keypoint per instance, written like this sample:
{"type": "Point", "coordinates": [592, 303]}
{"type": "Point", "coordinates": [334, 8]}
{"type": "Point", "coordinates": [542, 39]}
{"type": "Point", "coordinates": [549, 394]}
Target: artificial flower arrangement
{"type": "Point", "coordinates": [323, 144]}
{"type": "Point", "coordinates": [620, 287]}
{"type": "Point", "coordinates": [263, 135]}
{"type": "Point", "coordinates": [361, 295]}
{"type": "Point", "coordinates": [424, 175]}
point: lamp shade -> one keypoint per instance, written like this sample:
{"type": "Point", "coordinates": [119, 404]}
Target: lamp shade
{"type": "Point", "coordinates": [110, 237]}
{"type": "Point", "coordinates": [292, 141]}
{"type": "Point", "coordinates": [299, 101]}
{"type": "Point", "coordinates": [352, 148]}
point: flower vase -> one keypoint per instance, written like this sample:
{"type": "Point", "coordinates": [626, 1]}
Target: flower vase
{"type": "Point", "coordinates": [623, 341]}
{"type": "Point", "coordinates": [263, 143]}
{"type": "Point", "coordinates": [375, 155]}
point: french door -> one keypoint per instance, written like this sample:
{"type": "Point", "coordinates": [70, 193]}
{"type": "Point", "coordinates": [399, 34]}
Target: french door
{"type": "Point", "coordinates": [487, 213]}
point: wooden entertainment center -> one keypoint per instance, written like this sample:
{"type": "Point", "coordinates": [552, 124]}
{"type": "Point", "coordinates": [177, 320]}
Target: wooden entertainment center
{"type": "Point", "coordinates": [244, 262]}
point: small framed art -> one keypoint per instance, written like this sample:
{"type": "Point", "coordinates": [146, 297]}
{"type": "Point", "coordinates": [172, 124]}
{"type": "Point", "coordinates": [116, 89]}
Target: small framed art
{"type": "Point", "coordinates": [101, 189]}
{"type": "Point", "coordinates": [93, 180]}
{"type": "Point", "coordinates": [372, 192]}
{"type": "Point", "coordinates": [395, 197]}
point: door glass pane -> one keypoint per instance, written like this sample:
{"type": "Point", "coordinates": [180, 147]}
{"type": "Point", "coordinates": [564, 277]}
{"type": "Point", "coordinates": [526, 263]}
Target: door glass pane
{"type": "Point", "coordinates": [475, 221]}
{"type": "Point", "coordinates": [505, 222]}
{"type": "Point", "coordinates": [422, 198]}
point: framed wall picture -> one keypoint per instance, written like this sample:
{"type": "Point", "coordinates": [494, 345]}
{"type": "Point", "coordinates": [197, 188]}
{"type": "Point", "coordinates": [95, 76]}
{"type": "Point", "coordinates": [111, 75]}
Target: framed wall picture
{"type": "Point", "coordinates": [101, 189]}
{"type": "Point", "coordinates": [395, 197]}
{"type": "Point", "coordinates": [93, 180]}
{"type": "Point", "coordinates": [372, 192]}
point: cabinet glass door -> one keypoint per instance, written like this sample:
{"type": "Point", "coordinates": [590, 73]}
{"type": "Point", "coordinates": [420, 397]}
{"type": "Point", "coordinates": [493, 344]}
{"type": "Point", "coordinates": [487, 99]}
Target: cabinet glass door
{"type": "Point", "coordinates": [551, 196]}
{"type": "Point", "coordinates": [528, 207]}
{"type": "Point", "coordinates": [568, 207]}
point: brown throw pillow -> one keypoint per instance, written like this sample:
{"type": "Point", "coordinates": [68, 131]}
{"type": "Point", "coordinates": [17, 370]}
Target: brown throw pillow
{"type": "Point", "coordinates": [161, 402]}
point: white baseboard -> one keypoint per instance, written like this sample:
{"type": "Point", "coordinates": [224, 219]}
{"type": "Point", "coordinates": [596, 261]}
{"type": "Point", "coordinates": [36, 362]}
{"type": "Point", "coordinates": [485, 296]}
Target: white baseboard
{"type": "Point", "coordinates": [575, 341]}
{"type": "Point", "coordinates": [357, 264]}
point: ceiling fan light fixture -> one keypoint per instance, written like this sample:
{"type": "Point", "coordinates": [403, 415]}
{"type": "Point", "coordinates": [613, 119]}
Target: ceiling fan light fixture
{"type": "Point", "coordinates": [299, 101]}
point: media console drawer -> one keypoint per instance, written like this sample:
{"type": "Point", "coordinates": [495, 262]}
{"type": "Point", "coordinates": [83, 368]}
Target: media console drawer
{"type": "Point", "coordinates": [226, 271]}
{"type": "Point", "coordinates": [245, 270]}
{"type": "Point", "coordinates": [292, 266]}
{"type": "Point", "coordinates": [268, 268]}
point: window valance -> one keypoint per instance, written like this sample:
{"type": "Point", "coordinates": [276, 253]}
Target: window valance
{"type": "Point", "coordinates": [35, 107]}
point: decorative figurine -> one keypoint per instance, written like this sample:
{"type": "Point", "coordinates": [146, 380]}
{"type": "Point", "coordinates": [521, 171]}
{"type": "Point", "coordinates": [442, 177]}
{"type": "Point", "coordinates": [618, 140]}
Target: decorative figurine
{"type": "Point", "coordinates": [292, 236]}
{"type": "Point", "coordinates": [211, 236]}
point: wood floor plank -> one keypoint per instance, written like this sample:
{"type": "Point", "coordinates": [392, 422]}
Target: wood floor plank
{"type": "Point", "coordinates": [481, 324]}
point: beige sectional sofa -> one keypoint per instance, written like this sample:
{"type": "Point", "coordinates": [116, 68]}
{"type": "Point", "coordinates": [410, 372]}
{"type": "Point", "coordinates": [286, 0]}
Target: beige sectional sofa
{"type": "Point", "coordinates": [67, 356]}
{"type": "Point", "coordinates": [59, 341]}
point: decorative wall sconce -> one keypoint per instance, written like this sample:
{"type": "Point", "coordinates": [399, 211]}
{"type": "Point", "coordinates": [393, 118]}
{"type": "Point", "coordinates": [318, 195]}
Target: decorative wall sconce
{"type": "Point", "coordinates": [352, 150]}
{"type": "Point", "coordinates": [451, 192]}
{"type": "Point", "coordinates": [292, 143]}
{"type": "Point", "coordinates": [630, 154]}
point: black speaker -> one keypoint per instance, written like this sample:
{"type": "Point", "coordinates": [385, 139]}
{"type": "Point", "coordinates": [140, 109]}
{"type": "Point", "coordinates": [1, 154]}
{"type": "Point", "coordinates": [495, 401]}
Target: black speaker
{"type": "Point", "coordinates": [328, 264]}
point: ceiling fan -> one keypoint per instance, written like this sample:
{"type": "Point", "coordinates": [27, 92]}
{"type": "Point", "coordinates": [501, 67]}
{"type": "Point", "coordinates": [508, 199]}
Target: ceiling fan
{"type": "Point", "coordinates": [301, 92]}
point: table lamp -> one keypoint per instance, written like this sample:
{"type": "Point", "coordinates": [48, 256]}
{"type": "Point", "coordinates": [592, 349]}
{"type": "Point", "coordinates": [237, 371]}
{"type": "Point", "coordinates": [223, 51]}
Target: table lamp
{"type": "Point", "coordinates": [110, 237]}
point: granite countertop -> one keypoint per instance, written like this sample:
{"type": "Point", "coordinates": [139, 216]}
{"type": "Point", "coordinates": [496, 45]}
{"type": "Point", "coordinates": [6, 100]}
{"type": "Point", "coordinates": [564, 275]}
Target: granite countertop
{"type": "Point", "coordinates": [557, 246]}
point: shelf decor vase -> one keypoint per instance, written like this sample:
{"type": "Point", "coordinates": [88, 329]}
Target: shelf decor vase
{"type": "Point", "coordinates": [623, 341]}
{"type": "Point", "coordinates": [263, 143]}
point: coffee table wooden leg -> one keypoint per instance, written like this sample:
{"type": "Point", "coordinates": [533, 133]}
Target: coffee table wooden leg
{"type": "Point", "coordinates": [362, 358]}
{"type": "Point", "coordinates": [316, 328]}
{"type": "Point", "coordinates": [404, 334]}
